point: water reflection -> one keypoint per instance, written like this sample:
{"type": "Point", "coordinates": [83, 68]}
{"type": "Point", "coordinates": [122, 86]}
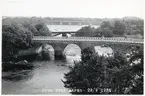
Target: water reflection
{"type": "Point", "coordinates": [71, 59]}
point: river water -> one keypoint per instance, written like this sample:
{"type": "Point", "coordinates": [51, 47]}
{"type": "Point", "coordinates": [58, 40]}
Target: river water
{"type": "Point", "coordinates": [45, 78]}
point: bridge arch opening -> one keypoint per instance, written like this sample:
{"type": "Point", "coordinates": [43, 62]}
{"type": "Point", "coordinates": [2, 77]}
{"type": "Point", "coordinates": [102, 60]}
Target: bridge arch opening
{"type": "Point", "coordinates": [48, 52]}
{"type": "Point", "coordinates": [104, 51]}
{"type": "Point", "coordinates": [72, 53]}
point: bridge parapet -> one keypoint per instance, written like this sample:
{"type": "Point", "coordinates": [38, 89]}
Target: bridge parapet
{"type": "Point", "coordinates": [104, 39]}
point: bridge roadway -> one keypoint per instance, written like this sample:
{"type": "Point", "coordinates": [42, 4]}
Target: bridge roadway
{"type": "Point", "coordinates": [89, 39]}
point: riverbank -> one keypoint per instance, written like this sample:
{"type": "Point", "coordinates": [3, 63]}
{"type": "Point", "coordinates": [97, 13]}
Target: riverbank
{"type": "Point", "coordinates": [15, 66]}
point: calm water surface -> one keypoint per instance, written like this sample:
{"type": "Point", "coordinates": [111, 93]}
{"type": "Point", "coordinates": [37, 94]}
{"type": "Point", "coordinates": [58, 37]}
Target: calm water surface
{"type": "Point", "coordinates": [43, 79]}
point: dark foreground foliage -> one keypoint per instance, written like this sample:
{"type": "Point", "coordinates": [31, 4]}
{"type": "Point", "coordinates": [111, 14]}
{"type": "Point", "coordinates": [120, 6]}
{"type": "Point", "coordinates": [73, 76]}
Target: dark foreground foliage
{"type": "Point", "coordinates": [106, 75]}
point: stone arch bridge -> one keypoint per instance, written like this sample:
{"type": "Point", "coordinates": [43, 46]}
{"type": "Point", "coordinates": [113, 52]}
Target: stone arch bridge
{"type": "Point", "coordinates": [60, 43]}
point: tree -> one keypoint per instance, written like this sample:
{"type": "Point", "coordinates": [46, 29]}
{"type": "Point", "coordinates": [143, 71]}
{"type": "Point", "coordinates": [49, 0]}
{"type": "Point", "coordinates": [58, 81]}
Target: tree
{"type": "Point", "coordinates": [15, 37]}
{"type": "Point", "coordinates": [106, 24]}
{"type": "Point", "coordinates": [86, 31]}
{"type": "Point", "coordinates": [33, 29]}
{"type": "Point", "coordinates": [119, 28]}
{"type": "Point", "coordinates": [105, 29]}
{"type": "Point", "coordinates": [107, 32]}
{"type": "Point", "coordinates": [42, 29]}
{"type": "Point", "coordinates": [90, 74]}
{"type": "Point", "coordinates": [17, 34]}
{"type": "Point", "coordinates": [137, 69]}
{"type": "Point", "coordinates": [100, 75]}
{"type": "Point", "coordinates": [134, 26]}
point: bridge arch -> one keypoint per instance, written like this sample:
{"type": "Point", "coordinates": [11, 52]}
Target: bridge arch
{"type": "Point", "coordinates": [72, 52]}
{"type": "Point", "coordinates": [72, 48]}
{"type": "Point", "coordinates": [47, 52]}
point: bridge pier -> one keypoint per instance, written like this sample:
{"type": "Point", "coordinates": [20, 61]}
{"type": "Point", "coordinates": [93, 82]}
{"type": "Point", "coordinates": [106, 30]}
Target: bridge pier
{"type": "Point", "coordinates": [59, 54]}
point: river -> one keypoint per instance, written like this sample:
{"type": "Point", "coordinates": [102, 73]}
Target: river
{"type": "Point", "coordinates": [45, 78]}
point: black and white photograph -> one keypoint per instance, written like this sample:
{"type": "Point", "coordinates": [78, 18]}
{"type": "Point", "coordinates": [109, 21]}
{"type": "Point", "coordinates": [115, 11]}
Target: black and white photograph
{"type": "Point", "coordinates": [72, 47]}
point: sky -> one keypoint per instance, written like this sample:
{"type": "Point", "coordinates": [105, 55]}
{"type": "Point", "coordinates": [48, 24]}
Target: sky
{"type": "Point", "coordinates": [73, 8]}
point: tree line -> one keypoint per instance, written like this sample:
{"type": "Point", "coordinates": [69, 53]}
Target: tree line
{"type": "Point", "coordinates": [115, 28]}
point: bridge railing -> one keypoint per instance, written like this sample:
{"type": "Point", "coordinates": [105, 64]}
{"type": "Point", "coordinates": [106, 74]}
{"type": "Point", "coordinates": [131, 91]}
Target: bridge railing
{"type": "Point", "coordinates": [105, 38]}
{"type": "Point", "coordinates": [113, 39]}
